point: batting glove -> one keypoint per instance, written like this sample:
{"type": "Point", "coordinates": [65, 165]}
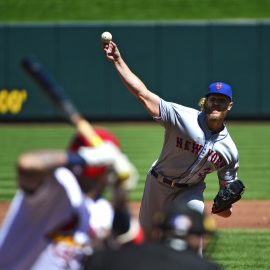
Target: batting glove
{"type": "Point", "coordinates": [126, 173]}
{"type": "Point", "coordinates": [104, 155]}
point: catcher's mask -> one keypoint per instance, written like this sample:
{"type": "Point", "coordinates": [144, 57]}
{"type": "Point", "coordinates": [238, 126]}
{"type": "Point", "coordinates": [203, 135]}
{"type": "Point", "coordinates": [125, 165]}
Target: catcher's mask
{"type": "Point", "coordinates": [78, 140]}
{"type": "Point", "coordinates": [180, 220]}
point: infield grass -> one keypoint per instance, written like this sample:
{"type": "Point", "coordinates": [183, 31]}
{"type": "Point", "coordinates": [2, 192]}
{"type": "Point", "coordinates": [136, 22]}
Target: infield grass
{"type": "Point", "coordinates": [142, 142]}
{"type": "Point", "coordinates": [241, 249]}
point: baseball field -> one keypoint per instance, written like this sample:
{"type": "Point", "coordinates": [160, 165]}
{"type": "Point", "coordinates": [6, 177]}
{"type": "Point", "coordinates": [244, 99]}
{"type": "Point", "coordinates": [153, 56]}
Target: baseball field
{"type": "Point", "coordinates": [242, 240]}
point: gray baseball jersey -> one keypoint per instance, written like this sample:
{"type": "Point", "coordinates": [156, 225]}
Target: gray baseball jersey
{"type": "Point", "coordinates": [190, 150]}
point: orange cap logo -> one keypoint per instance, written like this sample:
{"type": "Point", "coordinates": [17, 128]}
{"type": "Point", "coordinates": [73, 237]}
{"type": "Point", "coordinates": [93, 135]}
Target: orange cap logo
{"type": "Point", "coordinates": [219, 86]}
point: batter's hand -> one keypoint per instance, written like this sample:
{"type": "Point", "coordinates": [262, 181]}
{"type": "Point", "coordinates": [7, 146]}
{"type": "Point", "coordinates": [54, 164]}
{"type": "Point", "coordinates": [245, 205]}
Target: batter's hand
{"type": "Point", "coordinates": [104, 155]}
{"type": "Point", "coordinates": [111, 51]}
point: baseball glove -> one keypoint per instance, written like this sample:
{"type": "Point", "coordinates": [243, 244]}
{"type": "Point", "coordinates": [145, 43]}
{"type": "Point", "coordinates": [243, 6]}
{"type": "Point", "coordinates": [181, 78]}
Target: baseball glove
{"type": "Point", "coordinates": [227, 196]}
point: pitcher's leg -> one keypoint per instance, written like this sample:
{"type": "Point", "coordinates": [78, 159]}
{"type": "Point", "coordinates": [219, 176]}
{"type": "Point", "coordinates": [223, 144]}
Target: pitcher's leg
{"type": "Point", "coordinates": [193, 197]}
{"type": "Point", "coordinates": [155, 198]}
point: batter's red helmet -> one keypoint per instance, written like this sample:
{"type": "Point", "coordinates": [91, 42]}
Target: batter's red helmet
{"type": "Point", "coordinates": [80, 140]}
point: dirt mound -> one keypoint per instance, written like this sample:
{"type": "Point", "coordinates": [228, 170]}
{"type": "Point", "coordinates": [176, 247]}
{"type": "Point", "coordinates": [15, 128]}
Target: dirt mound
{"type": "Point", "coordinates": [246, 214]}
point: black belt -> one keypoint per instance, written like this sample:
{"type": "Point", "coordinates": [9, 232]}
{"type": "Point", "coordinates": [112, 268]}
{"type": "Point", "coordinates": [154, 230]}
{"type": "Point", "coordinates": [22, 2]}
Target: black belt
{"type": "Point", "coordinates": [169, 182]}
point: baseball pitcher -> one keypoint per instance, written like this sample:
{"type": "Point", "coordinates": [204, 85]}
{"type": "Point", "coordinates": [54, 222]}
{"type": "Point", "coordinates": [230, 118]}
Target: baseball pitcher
{"type": "Point", "coordinates": [196, 143]}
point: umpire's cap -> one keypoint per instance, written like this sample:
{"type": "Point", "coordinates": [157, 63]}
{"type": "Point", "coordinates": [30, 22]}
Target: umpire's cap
{"type": "Point", "coordinates": [181, 220]}
{"type": "Point", "coordinates": [79, 140]}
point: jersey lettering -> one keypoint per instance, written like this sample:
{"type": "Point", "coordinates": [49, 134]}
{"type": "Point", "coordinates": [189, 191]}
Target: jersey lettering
{"type": "Point", "coordinates": [195, 148]}
{"type": "Point", "coordinates": [210, 152]}
{"type": "Point", "coordinates": [179, 142]}
{"type": "Point", "coordinates": [187, 144]}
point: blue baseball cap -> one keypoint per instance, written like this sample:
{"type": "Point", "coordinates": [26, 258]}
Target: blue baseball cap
{"type": "Point", "coordinates": [220, 88]}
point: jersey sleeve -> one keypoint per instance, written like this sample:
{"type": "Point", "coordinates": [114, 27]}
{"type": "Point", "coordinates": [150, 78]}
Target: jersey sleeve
{"type": "Point", "coordinates": [166, 112]}
{"type": "Point", "coordinates": [229, 172]}
{"type": "Point", "coordinates": [170, 113]}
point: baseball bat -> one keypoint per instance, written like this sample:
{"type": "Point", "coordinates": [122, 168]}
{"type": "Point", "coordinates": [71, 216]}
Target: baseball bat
{"type": "Point", "coordinates": [56, 93]}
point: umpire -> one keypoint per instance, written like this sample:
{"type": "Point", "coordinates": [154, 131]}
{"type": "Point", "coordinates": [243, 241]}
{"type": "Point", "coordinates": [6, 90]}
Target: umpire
{"type": "Point", "coordinates": [176, 236]}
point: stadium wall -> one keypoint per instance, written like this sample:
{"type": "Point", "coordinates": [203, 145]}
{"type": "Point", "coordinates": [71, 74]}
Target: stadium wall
{"type": "Point", "coordinates": [175, 60]}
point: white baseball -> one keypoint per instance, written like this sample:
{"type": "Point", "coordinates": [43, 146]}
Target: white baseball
{"type": "Point", "coordinates": [106, 37]}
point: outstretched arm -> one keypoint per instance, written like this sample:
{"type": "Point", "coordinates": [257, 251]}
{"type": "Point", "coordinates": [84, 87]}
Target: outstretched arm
{"type": "Point", "coordinates": [148, 99]}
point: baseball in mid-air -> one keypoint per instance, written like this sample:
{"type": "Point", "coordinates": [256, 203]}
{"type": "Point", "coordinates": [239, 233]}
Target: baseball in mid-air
{"type": "Point", "coordinates": [106, 37]}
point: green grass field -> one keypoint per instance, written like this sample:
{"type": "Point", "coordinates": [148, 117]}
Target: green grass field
{"type": "Point", "coordinates": [104, 10]}
{"type": "Point", "coordinates": [142, 143]}
{"type": "Point", "coordinates": [241, 249]}
{"type": "Point", "coordinates": [233, 249]}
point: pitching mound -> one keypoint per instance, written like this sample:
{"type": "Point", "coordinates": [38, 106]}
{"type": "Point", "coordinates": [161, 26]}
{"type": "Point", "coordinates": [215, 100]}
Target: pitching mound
{"type": "Point", "coordinates": [246, 214]}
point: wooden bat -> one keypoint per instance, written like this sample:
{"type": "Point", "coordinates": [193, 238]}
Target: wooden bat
{"type": "Point", "coordinates": [56, 93]}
